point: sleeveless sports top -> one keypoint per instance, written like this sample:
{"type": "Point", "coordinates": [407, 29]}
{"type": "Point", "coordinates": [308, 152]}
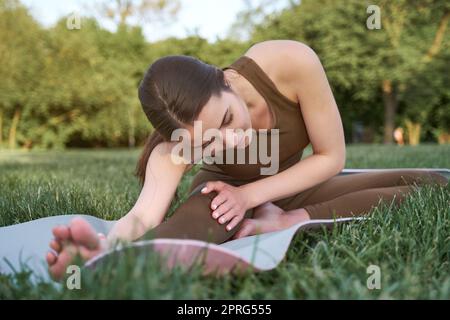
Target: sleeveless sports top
{"type": "Point", "coordinates": [288, 119]}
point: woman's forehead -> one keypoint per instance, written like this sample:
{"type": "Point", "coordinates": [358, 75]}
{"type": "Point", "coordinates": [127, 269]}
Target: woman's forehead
{"type": "Point", "coordinates": [212, 114]}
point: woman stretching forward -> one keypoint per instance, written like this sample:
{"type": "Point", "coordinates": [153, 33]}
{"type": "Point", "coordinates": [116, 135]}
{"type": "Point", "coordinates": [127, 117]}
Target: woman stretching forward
{"type": "Point", "coordinates": [277, 91]}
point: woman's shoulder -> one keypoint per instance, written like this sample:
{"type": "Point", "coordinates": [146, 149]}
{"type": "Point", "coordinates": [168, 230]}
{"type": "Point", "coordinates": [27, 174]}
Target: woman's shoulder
{"type": "Point", "coordinates": [284, 61]}
{"type": "Point", "coordinates": [265, 47]}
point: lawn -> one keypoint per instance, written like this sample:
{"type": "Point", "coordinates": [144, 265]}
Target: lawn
{"type": "Point", "coordinates": [411, 244]}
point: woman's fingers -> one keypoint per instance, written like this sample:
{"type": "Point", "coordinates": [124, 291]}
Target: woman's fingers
{"type": "Point", "coordinates": [234, 222]}
{"type": "Point", "coordinates": [218, 201]}
{"type": "Point", "coordinates": [227, 217]}
{"type": "Point", "coordinates": [222, 209]}
{"type": "Point", "coordinates": [213, 186]}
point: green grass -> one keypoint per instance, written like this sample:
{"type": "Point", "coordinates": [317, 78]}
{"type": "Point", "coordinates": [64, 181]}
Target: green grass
{"type": "Point", "coordinates": [411, 244]}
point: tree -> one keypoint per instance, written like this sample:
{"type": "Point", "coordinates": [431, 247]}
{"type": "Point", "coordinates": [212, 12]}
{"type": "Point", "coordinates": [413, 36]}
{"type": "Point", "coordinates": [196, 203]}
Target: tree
{"type": "Point", "coordinates": [21, 56]}
{"type": "Point", "coordinates": [121, 11]}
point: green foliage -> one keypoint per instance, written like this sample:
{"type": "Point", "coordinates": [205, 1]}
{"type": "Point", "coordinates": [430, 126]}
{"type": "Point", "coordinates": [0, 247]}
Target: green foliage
{"type": "Point", "coordinates": [358, 59]}
{"type": "Point", "coordinates": [78, 88]}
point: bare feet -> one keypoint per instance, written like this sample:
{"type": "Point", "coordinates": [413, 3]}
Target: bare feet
{"type": "Point", "coordinates": [268, 218]}
{"type": "Point", "coordinates": [77, 238]}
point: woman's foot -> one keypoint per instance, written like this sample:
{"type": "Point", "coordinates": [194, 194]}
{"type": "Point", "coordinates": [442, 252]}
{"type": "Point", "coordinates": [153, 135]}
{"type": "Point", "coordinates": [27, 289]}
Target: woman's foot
{"type": "Point", "coordinates": [78, 238]}
{"type": "Point", "coordinates": [269, 217]}
{"type": "Point", "coordinates": [266, 218]}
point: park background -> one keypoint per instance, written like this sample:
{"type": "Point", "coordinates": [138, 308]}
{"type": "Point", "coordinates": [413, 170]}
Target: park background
{"type": "Point", "coordinates": [77, 87]}
{"type": "Point", "coordinates": [72, 129]}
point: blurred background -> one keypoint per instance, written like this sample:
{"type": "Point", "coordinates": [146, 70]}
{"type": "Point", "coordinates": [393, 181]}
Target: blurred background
{"type": "Point", "coordinates": [69, 70]}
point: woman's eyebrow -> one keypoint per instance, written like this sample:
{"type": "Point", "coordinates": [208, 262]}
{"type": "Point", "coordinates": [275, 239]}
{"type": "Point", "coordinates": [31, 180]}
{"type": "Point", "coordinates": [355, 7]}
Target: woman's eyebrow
{"type": "Point", "coordinates": [221, 125]}
{"type": "Point", "coordinates": [204, 144]}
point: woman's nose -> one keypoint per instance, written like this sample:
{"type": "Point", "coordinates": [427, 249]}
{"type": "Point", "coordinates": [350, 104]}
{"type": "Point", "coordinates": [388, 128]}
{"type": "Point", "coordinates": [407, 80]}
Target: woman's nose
{"type": "Point", "coordinates": [231, 140]}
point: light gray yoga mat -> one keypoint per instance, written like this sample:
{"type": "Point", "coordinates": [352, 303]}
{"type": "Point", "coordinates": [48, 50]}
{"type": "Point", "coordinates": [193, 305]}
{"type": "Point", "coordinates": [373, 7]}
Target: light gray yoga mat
{"type": "Point", "coordinates": [27, 243]}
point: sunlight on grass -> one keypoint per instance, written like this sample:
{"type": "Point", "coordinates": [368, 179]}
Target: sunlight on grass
{"type": "Point", "coordinates": [410, 244]}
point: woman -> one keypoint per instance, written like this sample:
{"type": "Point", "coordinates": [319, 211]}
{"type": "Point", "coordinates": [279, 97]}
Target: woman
{"type": "Point", "coordinates": [279, 89]}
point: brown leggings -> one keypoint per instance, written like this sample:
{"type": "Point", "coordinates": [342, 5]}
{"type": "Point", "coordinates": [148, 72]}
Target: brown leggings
{"type": "Point", "coordinates": [340, 196]}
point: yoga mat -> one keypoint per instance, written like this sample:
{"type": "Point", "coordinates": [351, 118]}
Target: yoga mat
{"type": "Point", "coordinates": [26, 244]}
{"type": "Point", "coordinates": [258, 253]}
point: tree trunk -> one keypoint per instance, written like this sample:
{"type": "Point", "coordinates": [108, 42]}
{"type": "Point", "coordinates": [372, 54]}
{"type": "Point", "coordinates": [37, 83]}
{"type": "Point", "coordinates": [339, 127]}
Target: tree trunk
{"type": "Point", "coordinates": [13, 129]}
{"type": "Point", "coordinates": [131, 129]}
{"type": "Point", "coordinates": [131, 138]}
{"type": "Point", "coordinates": [390, 109]}
{"type": "Point", "coordinates": [413, 130]}
{"type": "Point", "coordinates": [438, 38]}
{"type": "Point", "coordinates": [1, 128]}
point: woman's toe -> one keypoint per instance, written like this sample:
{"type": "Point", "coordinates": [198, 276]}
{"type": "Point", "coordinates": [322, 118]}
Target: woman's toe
{"type": "Point", "coordinates": [58, 269]}
{"type": "Point", "coordinates": [84, 234]}
{"type": "Point", "coordinates": [61, 232]}
{"type": "Point", "coordinates": [51, 258]}
{"type": "Point", "coordinates": [245, 230]}
{"type": "Point", "coordinates": [55, 245]}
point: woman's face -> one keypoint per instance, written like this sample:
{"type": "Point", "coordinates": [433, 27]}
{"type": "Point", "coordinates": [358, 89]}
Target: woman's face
{"type": "Point", "coordinates": [221, 124]}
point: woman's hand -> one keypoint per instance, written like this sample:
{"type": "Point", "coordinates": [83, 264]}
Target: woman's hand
{"type": "Point", "coordinates": [229, 205]}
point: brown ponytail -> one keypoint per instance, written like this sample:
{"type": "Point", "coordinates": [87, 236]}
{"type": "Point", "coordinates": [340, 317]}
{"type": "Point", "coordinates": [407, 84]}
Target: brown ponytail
{"type": "Point", "coordinates": [172, 93]}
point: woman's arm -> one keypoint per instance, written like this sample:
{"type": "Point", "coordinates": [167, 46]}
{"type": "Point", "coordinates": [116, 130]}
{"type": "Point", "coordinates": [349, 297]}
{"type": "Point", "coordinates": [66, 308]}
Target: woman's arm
{"type": "Point", "coordinates": [305, 73]}
{"type": "Point", "coordinates": [161, 180]}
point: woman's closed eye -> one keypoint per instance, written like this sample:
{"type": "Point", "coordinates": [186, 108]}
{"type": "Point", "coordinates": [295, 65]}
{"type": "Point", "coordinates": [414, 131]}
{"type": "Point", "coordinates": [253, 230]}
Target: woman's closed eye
{"type": "Point", "coordinates": [207, 143]}
{"type": "Point", "coordinates": [230, 119]}
{"type": "Point", "coordinates": [227, 122]}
